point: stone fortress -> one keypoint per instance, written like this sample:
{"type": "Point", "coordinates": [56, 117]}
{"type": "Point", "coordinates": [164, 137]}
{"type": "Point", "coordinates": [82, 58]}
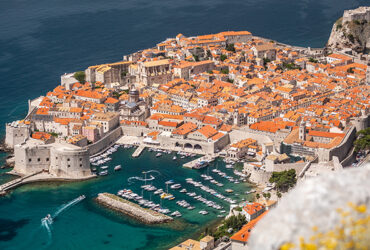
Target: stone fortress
{"type": "Point", "coordinates": [361, 13]}
{"type": "Point", "coordinates": [59, 159]}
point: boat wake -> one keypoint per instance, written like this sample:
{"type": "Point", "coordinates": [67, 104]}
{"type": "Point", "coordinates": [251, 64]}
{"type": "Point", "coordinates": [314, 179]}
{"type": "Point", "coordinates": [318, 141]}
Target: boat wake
{"type": "Point", "coordinates": [69, 204]}
{"type": "Point", "coordinates": [132, 179]}
{"type": "Point", "coordinates": [47, 221]}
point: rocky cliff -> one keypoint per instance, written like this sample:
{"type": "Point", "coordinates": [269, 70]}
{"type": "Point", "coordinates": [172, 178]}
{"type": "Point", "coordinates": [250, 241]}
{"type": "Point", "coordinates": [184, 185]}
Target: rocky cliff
{"type": "Point", "coordinates": [354, 35]}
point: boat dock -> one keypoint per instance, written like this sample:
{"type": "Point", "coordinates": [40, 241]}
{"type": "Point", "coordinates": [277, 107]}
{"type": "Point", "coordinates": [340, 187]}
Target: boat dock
{"type": "Point", "coordinates": [138, 151]}
{"type": "Point", "coordinates": [193, 163]}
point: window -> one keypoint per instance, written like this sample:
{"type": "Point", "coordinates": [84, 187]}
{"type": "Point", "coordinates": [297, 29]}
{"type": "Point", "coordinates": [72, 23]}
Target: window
{"type": "Point", "coordinates": [29, 159]}
{"type": "Point", "coordinates": [47, 159]}
{"type": "Point", "coordinates": [81, 165]}
{"type": "Point", "coordinates": [69, 166]}
{"type": "Point", "coordinates": [68, 159]}
{"type": "Point", "coordinates": [56, 158]}
{"type": "Point", "coordinates": [38, 159]}
{"type": "Point", "coordinates": [80, 159]}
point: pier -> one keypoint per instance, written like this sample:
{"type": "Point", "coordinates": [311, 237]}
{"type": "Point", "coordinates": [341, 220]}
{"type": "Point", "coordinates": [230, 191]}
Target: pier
{"type": "Point", "coordinates": [138, 151]}
{"type": "Point", "coordinates": [131, 209]}
{"type": "Point", "coordinates": [193, 163]}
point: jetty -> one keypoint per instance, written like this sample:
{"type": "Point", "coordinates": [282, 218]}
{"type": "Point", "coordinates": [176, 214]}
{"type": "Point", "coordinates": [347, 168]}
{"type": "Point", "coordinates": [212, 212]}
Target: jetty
{"type": "Point", "coordinates": [192, 164]}
{"type": "Point", "coordinates": [138, 151]}
{"type": "Point", "coordinates": [133, 210]}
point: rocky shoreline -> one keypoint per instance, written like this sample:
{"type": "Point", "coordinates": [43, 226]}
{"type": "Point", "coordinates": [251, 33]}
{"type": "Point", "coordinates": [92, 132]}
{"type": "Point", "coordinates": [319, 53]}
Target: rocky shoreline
{"type": "Point", "coordinates": [133, 210]}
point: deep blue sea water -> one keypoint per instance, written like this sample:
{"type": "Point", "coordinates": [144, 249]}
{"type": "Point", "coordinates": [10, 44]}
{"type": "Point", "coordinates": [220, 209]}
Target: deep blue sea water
{"type": "Point", "coordinates": [42, 39]}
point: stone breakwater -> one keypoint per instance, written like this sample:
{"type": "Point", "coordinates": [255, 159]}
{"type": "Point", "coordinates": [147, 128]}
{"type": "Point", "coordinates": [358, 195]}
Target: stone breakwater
{"type": "Point", "coordinates": [131, 209]}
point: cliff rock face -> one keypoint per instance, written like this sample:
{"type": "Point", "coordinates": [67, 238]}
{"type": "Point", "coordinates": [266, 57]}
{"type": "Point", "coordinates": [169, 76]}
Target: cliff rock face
{"type": "Point", "coordinates": [326, 212]}
{"type": "Point", "coordinates": [353, 34]}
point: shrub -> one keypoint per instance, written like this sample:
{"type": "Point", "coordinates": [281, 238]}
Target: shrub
{"type": "Point", "coordinates": [223, 57]}
{"type": "Point", "coordinates": [284, 180]}
{"type": "Point", "coordinates": [80, 76]}
{"type": "Point", "coordinates": [230, 47]}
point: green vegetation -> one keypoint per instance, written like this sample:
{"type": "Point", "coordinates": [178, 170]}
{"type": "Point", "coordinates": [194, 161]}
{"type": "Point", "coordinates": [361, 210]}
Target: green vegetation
{"type": "Point", "coordinates": [209, 54]}
{"type": "Point", "coordinates": [267, 195]}
{"type": "Point", "coordinates": [210, 72]}
{"type": "Point", "coordinates": [239, 209]}
{"type": "Point", "coordinates": [278, 194]}
{"type": "Point", "coordinates": [196, 57]}
{"type": "Point", "coordinates": [223, 57]}
{"type": "Point", "coordinates": [266, 60]}
{"type": "Point", "coordinates": [284, 180]}
{"type": "Point", "coordinates": [258, 196]}
{"type": "Point", "coordinates": [234, 222]}
{"type": "Point", "coordinates": [225, 71]}
{"type": "Point", "coordinates": [351, 38]}
{"type": "Point", "coordinates": [123, 74]}
{"type": "Point", "coordinates": [80, 76]}
{"type": "Point", "coordinates": [363, 140]}
{"type": "Point", "coordinates": [290, 66]}
{"type": "Point", "coordinates": [350, 70]}
{"type": "Point", "coordinates": [230, 47]}
{"type": "Point", "coordinates": [312, 60]}
{"type": "Point", "coordinates": [53, 134]}
{"type": "Point", "coordinates": [116, 94]}
{"type": "Point", "coordinates": [230, 80]}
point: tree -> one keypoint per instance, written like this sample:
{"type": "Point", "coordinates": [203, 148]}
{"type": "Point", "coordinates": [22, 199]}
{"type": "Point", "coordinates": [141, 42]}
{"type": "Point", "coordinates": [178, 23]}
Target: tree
{"type": "Point", "coordinates": [196, 57]}
{"type": "Point", "coordinates": [258, 196]}
{"type": "Point", "coordinates": [284, 180]}
{"type": "Point", "coordinates": [225, 71]}
{"type": "Point", "coordinates": [80, 76]}
{"type": "Point", "coordinates": [363, 140]}
{"type": "Point", "coordinates": [350, 70]}
{"type": "Point", "coordinates": [123, 74]}
{"type": "Point", "coordinates": [230, 47]}
{"type": "Point", "coordinates": [312, 60]}
{"type": "Point", "coordinates": [278, 194]}
{"type": "Point", "coordinates": [223, 57]}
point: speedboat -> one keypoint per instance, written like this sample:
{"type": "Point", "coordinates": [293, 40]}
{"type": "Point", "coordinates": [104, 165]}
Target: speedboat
{"type": "Point", "coordinates": [104, 167]}
{"type": "Point", "coordinates": [176, 214]}
{"type": "Point", "coordinates": [183, 190]}
{"type": "Point", "coordinates": [174, 158]}
{"type": "Point", "coordinates": [169, 182]}
{"type": "Point", "coordinates": [48, 219]}
{"type": "Point", "coordinates": [118, 167]}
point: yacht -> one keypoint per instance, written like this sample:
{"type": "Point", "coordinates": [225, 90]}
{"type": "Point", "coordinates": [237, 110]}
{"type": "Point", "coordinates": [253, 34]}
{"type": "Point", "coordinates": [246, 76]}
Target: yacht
{"type": "Point", "coordinates": [175, 186]}
{"type": "Point", "coordinates": [105, 172]}
{"type": "Point", "coordinates": [176, 214]}
{"type": "Point", "coordinates": [159, 191]}
{"type": "Point", "coordinates": [204, 212]}
{"type": "Point", "coordinates": [104, 167]}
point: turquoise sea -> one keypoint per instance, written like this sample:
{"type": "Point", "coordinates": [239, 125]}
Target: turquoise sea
{"type": "Point", "coordinates": [42, 39]}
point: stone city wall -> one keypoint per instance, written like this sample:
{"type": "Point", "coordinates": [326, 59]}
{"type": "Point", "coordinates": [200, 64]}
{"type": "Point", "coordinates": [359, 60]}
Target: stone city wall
{"type": "Point", "coordinates": [105, 142]}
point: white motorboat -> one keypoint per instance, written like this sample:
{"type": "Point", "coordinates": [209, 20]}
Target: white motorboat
{"type": "Point", "coordinates": [158, 155]}
{"type": "Point", "coordinates": [105, 172]}
{"type": "Point", "coordinates": [118, 167]}
{"type": "Point", "coordinates": [174, 158]}
{"type": "Point", "coordinates": [175, 186]}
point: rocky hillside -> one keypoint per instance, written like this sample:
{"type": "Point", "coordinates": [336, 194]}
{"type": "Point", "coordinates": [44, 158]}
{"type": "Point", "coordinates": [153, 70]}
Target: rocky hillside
{"type": "Point", "coordinates": [354, 35]}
